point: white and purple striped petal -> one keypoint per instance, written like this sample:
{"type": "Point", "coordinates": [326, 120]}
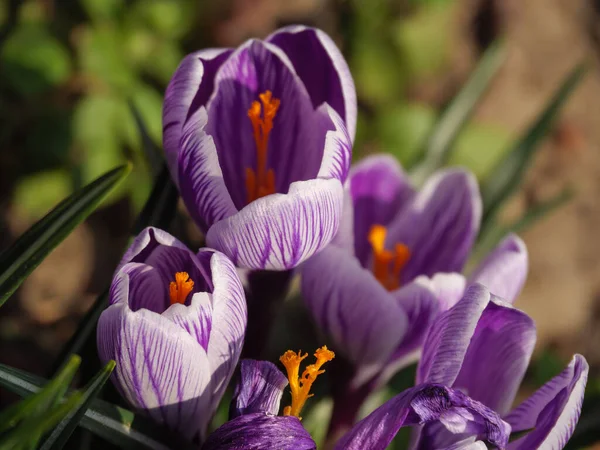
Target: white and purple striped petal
{"type": "Point", "coordinates": [332, 83]}
{"type": "Point", "coordinates": [173, 360]}
{"type": "Point", "coordinates": [552, 411]}
{"type": "Point", "coordinates": [504, 270]}
{"type": "Point", "coordinates": [430, 404]}
{"type": "Point", "coordinates": [258, 390]}
{"type": "Point", "coordinates": [260, 431]}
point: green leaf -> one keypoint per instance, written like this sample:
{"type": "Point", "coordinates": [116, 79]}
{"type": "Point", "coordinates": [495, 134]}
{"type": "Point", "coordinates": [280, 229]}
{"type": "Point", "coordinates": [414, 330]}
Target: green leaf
{"type": "Point", "coordinates": [117, 425]}
{"type": "Point", "coordinates": [455, 116]}
{"type": "Point", "coordinates": [19, 260]}
{"type": "Point", "coordinates": [65, 428]}
{"type": "Point", "coordinates": [509, 172]}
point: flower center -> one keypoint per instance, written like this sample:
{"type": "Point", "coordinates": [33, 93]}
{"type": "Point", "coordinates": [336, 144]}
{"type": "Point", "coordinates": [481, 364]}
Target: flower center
{"type": "Point", "coordinates": [180, 288]}
{"type": "Point", "coordinates": [387, 264]}
{"type": "Point", "coordinates": [262, 181]}
{"type": "Point", "coordinates": [300, 386]}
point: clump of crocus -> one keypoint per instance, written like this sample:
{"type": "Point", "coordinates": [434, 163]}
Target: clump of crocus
{"type": "Point", "coordinates": [258, 140]}
{"type": "Point", "coordinates": [175, 327]}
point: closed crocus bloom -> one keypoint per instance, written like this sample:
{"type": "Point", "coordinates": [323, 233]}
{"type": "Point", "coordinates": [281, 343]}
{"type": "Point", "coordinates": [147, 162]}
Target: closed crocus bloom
{"type": "Point", "coordinates": [258, 140]}
{"type": "Point", "coordinates": [255, 424]}
{"type": "Point", "coordinates": [175, 327]}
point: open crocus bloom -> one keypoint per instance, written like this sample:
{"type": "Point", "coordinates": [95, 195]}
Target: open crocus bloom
{"type": "Point", "coordinates": [482, 347]}
{"type": "Point", "coordinates": [368, 289]}
{"type": "Point", "coordinates": [255, 424]}
{"type": "Point", "coordinates": [258, 140]}
{"type": "Point", "coordinates": [175, 326]}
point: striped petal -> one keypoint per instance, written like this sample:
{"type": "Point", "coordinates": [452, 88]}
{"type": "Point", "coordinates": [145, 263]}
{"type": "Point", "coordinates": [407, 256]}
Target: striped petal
{"type": "Point", "coordinates": [322, 69]}
{"type": "Point", "coordinates": [278, 232]}
{"type": "Point", "coordinates": [426, 404]}
{"type": "Point", "coordinates": [259, 389]}
{"type": "Point", "coordinates": [504, 270]}
{"type": "Point", "coordinates": [260, 431]}
{"type": "Point", "coordinates": [552, 411]}
{"type": "Point", "coordinates": [188, 90]}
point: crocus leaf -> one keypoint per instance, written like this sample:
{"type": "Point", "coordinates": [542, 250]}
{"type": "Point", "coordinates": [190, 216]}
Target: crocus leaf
{"type": "Point", "coordinates": [455, 116]}
{"type": "Point", "coordinates": [151, 152]}
{"type": "Point", "coordinates": [19, 260]}
{"type": "Point", "coordinates": [509, 172]}
{"type": "Point", "coordinates": [65, 428]}
{"type": "Point", "coordinates": [541, 210]}
{"type": "Point", "coordinates": [118, 426]}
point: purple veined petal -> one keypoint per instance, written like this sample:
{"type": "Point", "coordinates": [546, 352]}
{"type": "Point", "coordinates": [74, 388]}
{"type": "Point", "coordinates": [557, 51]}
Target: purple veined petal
{"type": "Point", "coordinates": [258, 390]}
{"type": "Point", "coordinates": [145, 242]}
{"type": "Point", "coordinates": [260, 431]}
{"type": "Point", "coordinates": [448, 287]}
{"type": "Point", "coordinates": [420, 303]}
{"type": "Point", "coordinates": [201, 182]}
{"type": "Point", "coordinates": [189, 89]}
{"type": "Point", "coordinates": [349, 304]}
{"type": "Point", "coordinates": [195, 318]}
{"type": "Point", "coordinates": [468, 444]}
{"type": "Point", "coordinates": [448, 339]}
{"type": "Point", "coordinates": [426, 404]}
{"type": "Point", "coordinates": [439, 226]}
{"type": "Point", "coordinates": [322, 69]}
{"type": "Point", "coordinates": [344, 238]}
{"type": "Point", "coordinates": [337, 150]}
{"type": "Point", "coordinates": [160, 368]}
{"type": "Point", "coordinates": [229, 318]}
{"type": "Point", "coordinates": [504, 270]}
{"type": "Point", "coordinates": [296, 142]}
{"type": "Point", "coordinates": [278, 232]}
{"type": "Point", "coordinates": [379, 189]}
{"type": "Point", "coordinates": [498, 356]}
{"type": "Point", "coordinates": [553, 410]}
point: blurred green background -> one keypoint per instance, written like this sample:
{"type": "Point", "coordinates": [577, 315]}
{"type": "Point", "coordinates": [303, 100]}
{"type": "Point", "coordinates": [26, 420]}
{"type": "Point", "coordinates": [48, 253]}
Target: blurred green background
{"type": "Point", "coordinates": [74, 73]}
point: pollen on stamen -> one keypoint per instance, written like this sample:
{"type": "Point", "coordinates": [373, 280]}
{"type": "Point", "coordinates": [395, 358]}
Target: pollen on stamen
{"type": "Point", "coordinates": [387, 264]}
{"type": "Point", "coordinates": [180, 288]}
{"type": "Point", "coordinates": [300, 386]}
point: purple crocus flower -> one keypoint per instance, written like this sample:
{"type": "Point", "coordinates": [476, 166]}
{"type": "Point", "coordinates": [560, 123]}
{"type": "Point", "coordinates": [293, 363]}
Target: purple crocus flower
{"type": "Point", "coordinates": [482, 346]}
{"type": "Point", "coordinates": [175, 327]}
{"type": "Point", "coordinates": [368, 289]}
{"type": "Point", "coordinates": [258, 140]}
{"type": "Point", "coordinates": [255, 423]}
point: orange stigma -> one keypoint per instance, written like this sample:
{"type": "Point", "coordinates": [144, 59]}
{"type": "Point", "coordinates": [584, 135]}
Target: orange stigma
{"type": "Point", "coordinates": [180, 288]}
{"type": "Point", "coordinates": [387, 264]}
{"type": "Point", "coordinates": [300, 386]}
{"type": "Point", "coordinates": [262, 181]}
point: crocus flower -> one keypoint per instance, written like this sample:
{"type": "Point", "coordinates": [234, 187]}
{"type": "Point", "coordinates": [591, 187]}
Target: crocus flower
{"type": "Point", "coordinates": [367, 290]}
{"type": "Point", "coordinates": [482, 346]}
{"type": "Point", "coordinates": [258, 140]}
{"type": "Point", "coordinates": [175, 327]}
{"type": "Point", "coordinates": [255, 424]}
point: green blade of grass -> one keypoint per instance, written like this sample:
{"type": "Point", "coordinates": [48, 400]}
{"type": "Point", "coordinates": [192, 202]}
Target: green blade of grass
{"type": "Point", "coordinates": [19, 260]}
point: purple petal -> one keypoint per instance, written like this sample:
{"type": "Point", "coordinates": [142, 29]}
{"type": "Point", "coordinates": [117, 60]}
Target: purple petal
{"type": "Point", "coordinates": [259, 389]}
{"type": "Point", "coordinates": [498, 356]}
{"type": "Point", "coordinates": [194, 318]}
{"type": "Point", "coordinates": [145, 243]}
{"type": "Point", "coordinates": [229, 317]}
{"type": "Point", "coordinates": [439, 226]}
{"type": "Point", "coordinates": [260, 431]}
{"type": "Point", "coordinates": [188, 90]}
{"type": "Point", "coordinates": [448, 287]}
{"type": "Point", "coordinates": [160, 369]}
{"type": "Point", "coordinates": [421, 405]}
{"type": "Point", "coordinates": [419, 302]}
{"type": "Point", "coordinates": [348, 303]}
{"type": "Point", "coordinates": [139, 286]}
{"type": "Point", "coordinates": [504, 270]}
{"type": "Point", "coordinates": [322, 69]}
{"type": "Point", "coordinates": [297, 140]}
{"type": "Point", "coordinates": [553, 410]}
{"type": "Point", "coordinates": [337, 152]}
{"type": "Point", "coordinates": [448, 339]}
{"type": "Point", "coordinates": [278, 232]}
{"type": "Point", "coordinates": [379, 189]}
{"type": "Point", "coordinates": [200, 178]}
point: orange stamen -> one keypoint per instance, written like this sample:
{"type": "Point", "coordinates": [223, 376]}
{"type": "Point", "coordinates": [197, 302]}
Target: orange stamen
{"type": "Point", "coordinates": [387, 274]}
{"type": "Point", "coordinates": [261, 182]}
{"type": "Point", "coordinates": [180, 288]}
{"type": "Point", "coordinates": [300, 386]}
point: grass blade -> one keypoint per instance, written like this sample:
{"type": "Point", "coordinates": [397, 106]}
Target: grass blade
{"type": "Point", "coordinates": [453, 119]}
{"type": "Point", "coordinates": [19, 260]}
{"type": "Point", "coordinates": [510, 170]}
